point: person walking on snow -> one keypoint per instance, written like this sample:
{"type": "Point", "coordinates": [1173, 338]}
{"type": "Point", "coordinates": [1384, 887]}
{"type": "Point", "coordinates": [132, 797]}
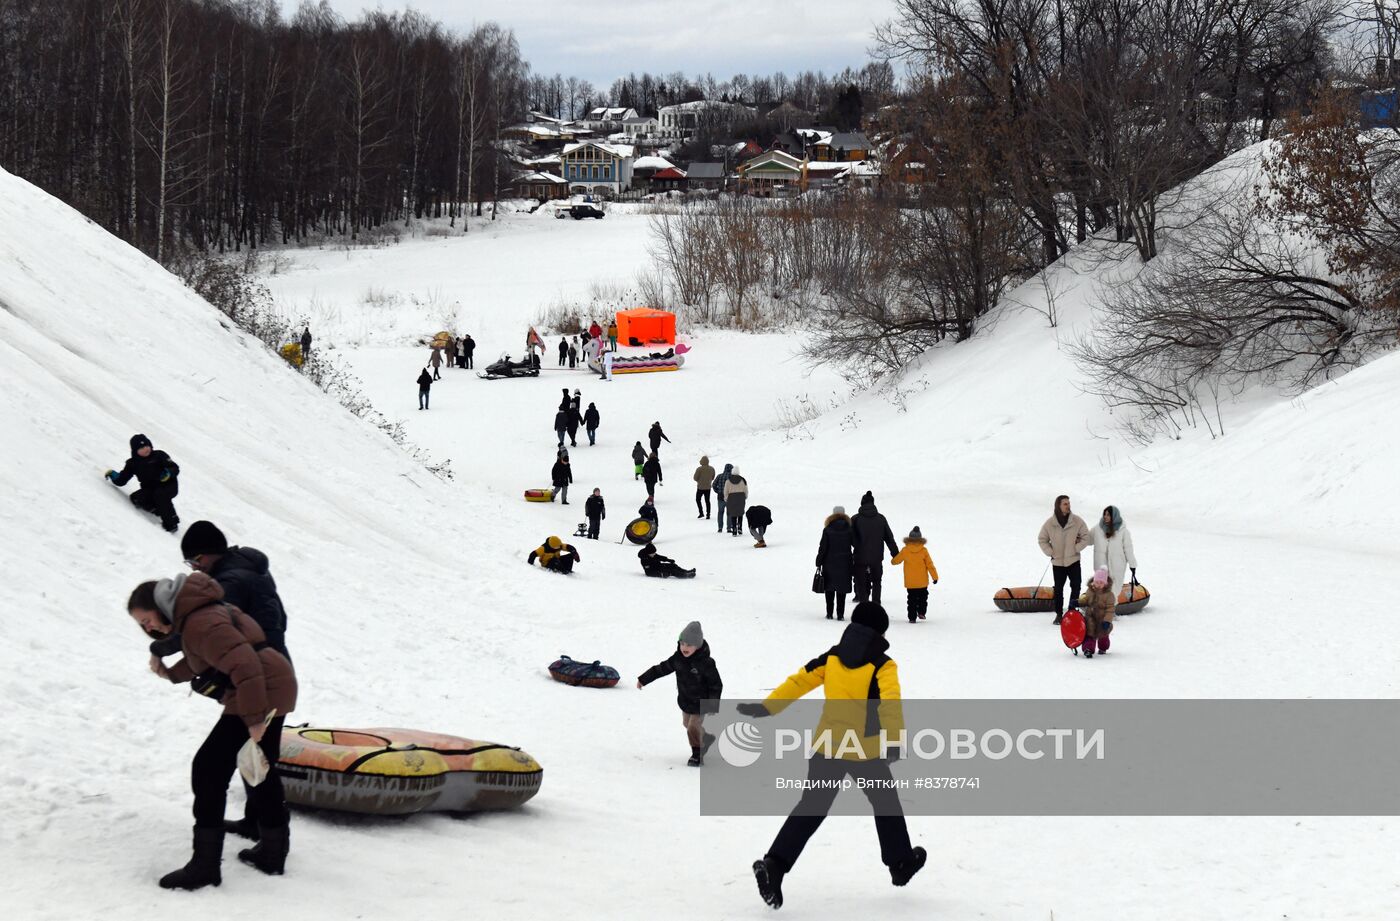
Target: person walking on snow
{"type": "Point", "coordinates": [1113, 549]}
{"type": "Point", "coordinates": [565, 401]}
{"type": "Point", "coordinates": [563, 351]}
{"type": "Point", "coordinates": [158, 479]}
{"type": "Point", "coordinates": [561, 475]}
{"type": "Point", "coordinates": [719, 485]}
{"type": "Point", "coordinates": [469, 345]}
{"type": "Point", "coordinates": [1100, 603]}
{"type": "Point", "coordinates": [853, 673]}
{"type": "Point", "coordinates": [590, 424]}
{"type": "Point", "coordinates": [704, 479]}
{"type": "Point", "coordinates": [736, 494]}
{"type": "Point", "coordinates": [873, 535]}
{"type": "Point", "coordinates": [918, 572]}
{"type": "Point", "coordinates": [555, 555]}
{"type": "Point", "coordinates": [836, 560]}
{"type": "Point", "coordinates": [224, 646]}
{"type": "Point", "coordinates": [573, 421]}
{"type": "Point", "coordinates": [639, 458]}
{"type": "Point", "coordinates": [595, 511]}
{"type": "Point", "coordinates": [306, 342]}
{"type": "Point", "coordinates": [651, 473]}
{"type": "Point", "coordinates": [561, 425]}
{"type": "Point", "coordinates": [655, 436]}
{"type": "Point", "coordinates": [435, 362]}
{"type": "Point", "coordinates": [759, 518]}
{"type": "Point", "coordinates": [698, 687]}
{"type": "Point", "coordinates": [425, 384]}
{"type": "Point", "coordinates": [1062, 538]}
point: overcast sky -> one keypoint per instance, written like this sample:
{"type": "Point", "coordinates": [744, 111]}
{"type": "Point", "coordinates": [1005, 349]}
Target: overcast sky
{"type": "Point", "coordinates": [618, 36]}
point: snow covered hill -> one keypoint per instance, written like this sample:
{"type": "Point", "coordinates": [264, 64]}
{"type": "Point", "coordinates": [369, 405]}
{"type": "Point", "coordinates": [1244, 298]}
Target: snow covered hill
{"type": "Point", "coordinates": [410, 603]}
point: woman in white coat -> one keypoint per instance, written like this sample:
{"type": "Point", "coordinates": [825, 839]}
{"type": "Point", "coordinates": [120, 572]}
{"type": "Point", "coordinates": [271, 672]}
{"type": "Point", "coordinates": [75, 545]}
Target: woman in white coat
{"type": "Point", "coordinates": [1113, 548]}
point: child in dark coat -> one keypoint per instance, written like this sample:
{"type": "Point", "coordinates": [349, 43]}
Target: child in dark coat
{"type": "Point", "coordinates": [698, 687]}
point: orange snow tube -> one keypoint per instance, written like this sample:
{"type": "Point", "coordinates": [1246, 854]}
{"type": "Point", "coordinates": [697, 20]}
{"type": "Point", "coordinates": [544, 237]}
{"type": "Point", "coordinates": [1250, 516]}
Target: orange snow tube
{"type": "Point", "coordinates": [539, 495]}
{"type": "Point", "coordinates": [1025, 599]}
{"type": "Point", "coordinates": [402, 771]}
{"type": "Point", "coordinates": [1131, 599]}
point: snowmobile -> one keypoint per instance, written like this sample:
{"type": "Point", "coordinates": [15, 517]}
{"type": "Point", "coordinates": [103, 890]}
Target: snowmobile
{"type": "Point", "coordinates": [504, 367]}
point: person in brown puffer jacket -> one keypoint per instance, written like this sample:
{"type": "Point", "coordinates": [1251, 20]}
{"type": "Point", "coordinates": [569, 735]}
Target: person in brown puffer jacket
{"type": "Point", "coordinates": [1099, 605]}
{"type": "Point", "coordinates": [226, 655]}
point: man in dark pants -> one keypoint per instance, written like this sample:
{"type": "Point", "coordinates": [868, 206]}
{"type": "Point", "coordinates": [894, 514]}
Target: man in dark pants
{"type": "Point", "coordinates": [872, 535]}
{"type": "Point", "coordinates": [1063, 536]}
{"type": "Point", "coordinates": [852, 673]}
{"type": "Point", "coordinates": [469, 346]}
{"type": "Point", "coordinates": [158, 477]}
{"type": "Point", "coordinates": [704, 482]}
{"type": "Point", "coordinates": [595, 511]}
{"type": "Point", "coordinates": [306, 343]}
{"type": "Point", "coordinates": [243, 574]}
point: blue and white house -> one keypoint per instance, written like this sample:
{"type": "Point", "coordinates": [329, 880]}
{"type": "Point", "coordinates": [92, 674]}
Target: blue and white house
{"type": "Point", "coordinates": [595, 167]}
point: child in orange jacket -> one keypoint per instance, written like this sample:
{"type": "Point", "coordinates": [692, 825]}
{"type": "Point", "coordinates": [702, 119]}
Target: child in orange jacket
{"type": "Point", "coordinates": [918, 572]}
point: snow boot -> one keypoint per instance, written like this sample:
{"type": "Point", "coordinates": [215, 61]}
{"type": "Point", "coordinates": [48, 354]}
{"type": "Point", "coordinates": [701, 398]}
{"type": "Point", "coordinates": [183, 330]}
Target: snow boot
{"type": "Point", "coordinates": [203, 868]}
{"type": "Point", "coordinates": [243, 828]}
{"type": "Point", "coordinates": [1088, 647]}
{"type": "Point", "coordinates": [270, 853]}
{"type": "Point", "coordinates": [1059, 619]}
{"type": "Point", "coordinates": [902, 872]}
{"type": "Point", "coordinates": [769, 877]}
{"type": "Point", "coordinates": [706, 741]}
{"type": "Point", "coordinates": [697, 757]}
{"type": "Point", "coordinates": [1103, 644]}
{"type": "Point", "coordinates": [829, 616]}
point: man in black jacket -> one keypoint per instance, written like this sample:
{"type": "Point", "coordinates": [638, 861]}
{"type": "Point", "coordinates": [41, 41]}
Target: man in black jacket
{"type": "Point", "coordinates": [158, 477]}
{"type": "Point", "coordinates": [561, 475]}
{"type": "Point", "coordinates": [655, 436]}
{"type": "Point", "coordinates": [873, 535]}
{"type": "Point", "coordinates": [595, 511]}
{"type": "Point", "coordinates": [243, 574]}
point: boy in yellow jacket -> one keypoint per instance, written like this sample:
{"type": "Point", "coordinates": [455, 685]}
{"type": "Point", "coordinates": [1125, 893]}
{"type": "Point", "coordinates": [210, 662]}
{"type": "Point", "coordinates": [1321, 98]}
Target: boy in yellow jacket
{"type": "Point", "coordinates": [852, 673]}
{"type": "Point", "coordinates": [918, 570]}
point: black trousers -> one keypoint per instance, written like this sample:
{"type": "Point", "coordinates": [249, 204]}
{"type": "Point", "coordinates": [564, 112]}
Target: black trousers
{"type": "Point", "coordinates": [703, 507]}
{"type": "Point", "coordinates": [159, 501]}
{"type": "Point", "coordinates": [214, 766]}
{"type": "Point", "coordinates": [918, 603]}
{"type": "Point", "coordinates": [868, 578]}
{"type": "Point", "coordinates": [563, 563]}
{"type": "Point", "coordinates": [651, 486]}
{"type": "Point", "coordinates": [593, 525]}
{"type": "Point", "coordinates": [469, 359]}
{"type": "Point", "coordinates": [1074, 575]}
{"type": "Point", "coordinates": [817, 800]}
{"type": "Point", "coordinates": [839, 600]}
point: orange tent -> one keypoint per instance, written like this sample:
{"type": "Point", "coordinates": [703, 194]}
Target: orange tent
{"type": "Point", "coordinates": [646, 325]}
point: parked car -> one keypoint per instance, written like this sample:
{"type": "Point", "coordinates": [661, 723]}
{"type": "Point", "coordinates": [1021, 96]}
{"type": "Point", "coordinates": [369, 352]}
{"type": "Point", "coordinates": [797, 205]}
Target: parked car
{"type": "Point", "coordinates": [580, 211]}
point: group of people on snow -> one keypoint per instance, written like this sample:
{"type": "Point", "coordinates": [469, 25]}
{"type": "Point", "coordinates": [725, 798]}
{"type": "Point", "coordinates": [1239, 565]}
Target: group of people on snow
{"type": "Point", "coordinates": [1062, 538]}
{"type": "Point", "coordinates": [851, 553]}
{"type": "Point", "coordinates": [455, 351]}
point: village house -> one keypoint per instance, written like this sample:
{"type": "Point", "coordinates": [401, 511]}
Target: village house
{"type": "Point", "coordinates": [686, 119]}
{"type": "Point", "coordinates": [596, 167]}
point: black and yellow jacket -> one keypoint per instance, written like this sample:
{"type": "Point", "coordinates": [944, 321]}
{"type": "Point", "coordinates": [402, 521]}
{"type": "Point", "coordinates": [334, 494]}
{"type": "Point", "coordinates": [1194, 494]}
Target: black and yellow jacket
{"type": "Point", "coordinates": [861, 684]}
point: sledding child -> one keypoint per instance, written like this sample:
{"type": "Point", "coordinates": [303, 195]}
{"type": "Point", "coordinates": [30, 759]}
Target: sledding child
{"type": "Point", "coordinates": [918, 571]}
{"type": "Point", "coordinates": [1098, 609]}
{"type": "Point", "coordinates": [698, 687]}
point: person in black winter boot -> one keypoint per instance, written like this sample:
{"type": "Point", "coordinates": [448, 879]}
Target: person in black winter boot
{"type": "Point", "coordinates": [595, 511]}
{"type": "Point", "coordinates": [243, 574]}
{"type": "Point", "coordinates": [698, 687]}
{"type": "Point", "coordinates": [204, 867]}
{"type": "Point", "coordinates": [158, 477]}
{"type": "Point", "coordinates": [661, 567]}
{"type": "Point", "coordinates": [873, 535]}
{"type": "Point", "coordinates": [849, 671]}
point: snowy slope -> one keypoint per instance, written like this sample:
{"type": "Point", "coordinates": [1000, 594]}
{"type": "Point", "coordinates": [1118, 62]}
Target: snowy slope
{"type": "Point", "coordinates": [410, 602]}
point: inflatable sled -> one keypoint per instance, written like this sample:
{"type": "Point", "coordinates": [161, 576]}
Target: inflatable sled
{"type": "Point", "coordinates": [1131, 599]}
{"type": "Point", "coordinates": [668, 360]}
{"type": "Point", "coordinates": [402, 771]}
{"type": "Point", "coordinates": [1025, 599]}
{"type": "Point", "coordinates": [539, 495]}
{"type": "Point", "coordinates": [584, 674]}
{"type": "Point", "coordinates": [641, 531]}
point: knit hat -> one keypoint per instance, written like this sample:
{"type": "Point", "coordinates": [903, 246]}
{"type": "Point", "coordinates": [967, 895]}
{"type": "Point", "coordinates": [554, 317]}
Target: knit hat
{"type": "Point", "coordinates": [734, 470]}
{"type": "Point", "coordinates": [138, 442]}
{"type": "Point", "coordinates": [915, 535]}
{"type": "Point", "coordinates": [838, 510]}
{"type": "Point", "coordinates": [202, 537]}
{"type": "Point", "coordinates": [867, 499]}
{"type": "Point", "coordinates": [869, 614]}
{"type": "Point", "coordinates": [553, 543]}
{"type": "Point", "coordinates": [167, 590]}
{"type": "Point", "coordinates": [692, 635]}
{"type": "Point", "coordinates": [1100, 576]}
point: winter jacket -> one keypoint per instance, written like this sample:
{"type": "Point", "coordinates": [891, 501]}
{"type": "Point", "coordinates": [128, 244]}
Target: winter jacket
{"type": "Point", "coordinates": [305, 340]}
{"type": "Point", "coordinates": [704, 475]}
{"type": "Point", "coordinates": [562, 474]}
{"type": "Point", "coordinates": [591, 417]}
{"type": "Point", "coordinates": [1064, 542]}
{"type": "Point", "coordinates": [436, 358]}
{"type": "Point", "coordinates": [759, 516]}
{"type": "Point", "coordinates": [697, 679]}
{"type": "Point", "coordinates": [469, 345]}
{"type": "Point", "coordinates": [425, 381]}
{"type": "Point", "coordinates": [1115, 553]}
{"type": "Point", "coordinates": [873, 534]}
{"type": "Point", "coordinates": [852, 672]}
{"type": "Point", "coordinates": [219, 637]}
{"type": "Point", "coordinates": [243, 574]}
{"type": "Point", "coordinates": [648, 512]}
{"type": "Point", "coordinates": [1098, 608]}
{"type": "Point", "coordinates": [574, 420]}
{"type": "Point", "coordinates": [918, 565]}
{"type": "Point", "coordinates": [551, 548]}
{"type": "Point", "coordinates": [561, 420]}
{"type": "Point", "coordinates": [655, 436]}
{"type": "Point", "coordinates": [836, 553]}
{"type": "Point", "coordinates": [148, 470]}
{"type": "Point", "coordinates": [451, 350]}
{"type": "Point", "coordinates": [595, 330]}
{"type": "Point", "coordinates": [594, 508]}
{"type": "Point", "coordinates": [612, 330]}
{"type": "Point", "coordinates": [722, 479]}
{"type": "Point", "coordinates": [736, 494]}
{"type": "Point", "coordinates": [651, 471]}
{"type": "Point", "coordinates": [654, 564]}
{"type": "Point", "coordinates": [565, 402]}
{"type": "Point", "coordinates": [563, 348]}
{"type": "Point", "coordinates": [639, 454]}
